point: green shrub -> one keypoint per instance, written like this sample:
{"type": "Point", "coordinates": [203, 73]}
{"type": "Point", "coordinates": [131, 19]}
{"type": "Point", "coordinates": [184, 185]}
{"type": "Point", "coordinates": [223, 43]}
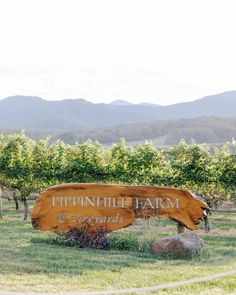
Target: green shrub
{"type": "Point", "coordinates": [123, 242]}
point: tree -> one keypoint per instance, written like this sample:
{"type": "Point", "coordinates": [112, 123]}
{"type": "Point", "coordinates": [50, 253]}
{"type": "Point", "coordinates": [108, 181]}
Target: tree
{"type": "Point", "coordinates": [85, 163]}
{"type": "Point", "coordinates": [118, 158]}
{"type": "Point", "coordinates": [192, 165]}
{"type": "Point", "coordinates": [1, 209]}
{"type": "Point", "coordinates": [16, 163]}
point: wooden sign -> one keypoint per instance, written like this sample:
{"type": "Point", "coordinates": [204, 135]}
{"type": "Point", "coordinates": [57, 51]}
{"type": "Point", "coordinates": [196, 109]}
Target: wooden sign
{"type": "Point", "coordinates": [112, 207]}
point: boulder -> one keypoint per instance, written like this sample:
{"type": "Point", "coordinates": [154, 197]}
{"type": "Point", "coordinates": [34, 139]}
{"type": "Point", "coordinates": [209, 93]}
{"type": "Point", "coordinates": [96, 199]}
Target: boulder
{"type": "Point", "coordinates": [181, 245]}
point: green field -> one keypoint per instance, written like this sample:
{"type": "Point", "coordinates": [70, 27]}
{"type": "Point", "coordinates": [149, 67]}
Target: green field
{"type": "Point", "coordinates": [29, 261]}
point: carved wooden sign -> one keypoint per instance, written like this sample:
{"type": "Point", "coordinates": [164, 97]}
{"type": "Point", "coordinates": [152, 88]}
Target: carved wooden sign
{"type": "Point", "coordinates": [112, 207]}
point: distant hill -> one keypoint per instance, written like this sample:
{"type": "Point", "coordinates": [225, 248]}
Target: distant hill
{"type": "Point", "coordinates": [169, 132]}
{"type": "Point", "coordinates": [120, 102]}
{"type": "Point", "coordinates": [35, 114]}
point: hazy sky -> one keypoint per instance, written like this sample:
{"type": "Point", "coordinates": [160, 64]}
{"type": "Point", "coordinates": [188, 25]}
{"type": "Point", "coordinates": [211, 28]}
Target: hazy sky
{"type": "Point", "coordinates": [155, 51]}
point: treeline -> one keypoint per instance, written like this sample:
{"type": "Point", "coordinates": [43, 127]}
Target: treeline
{"type": "Point", "coordinates": [27, 165]}
{"type": "Point", "coordinates": [169, 132]}
{"type": "Point", "coordinates": [162, 133]}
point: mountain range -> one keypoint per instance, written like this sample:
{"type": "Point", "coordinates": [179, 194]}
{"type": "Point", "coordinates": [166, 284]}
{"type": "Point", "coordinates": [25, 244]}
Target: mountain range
{"type": "Point", "coordinates": [35, 113]}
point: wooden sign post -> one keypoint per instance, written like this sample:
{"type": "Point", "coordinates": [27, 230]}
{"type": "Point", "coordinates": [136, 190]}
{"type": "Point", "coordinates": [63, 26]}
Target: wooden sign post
{"type": "Point", "coordinates": [112, 207]}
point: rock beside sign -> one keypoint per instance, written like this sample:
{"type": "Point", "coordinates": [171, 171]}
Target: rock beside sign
{"type": "Point", "coordinates": [181, 245]}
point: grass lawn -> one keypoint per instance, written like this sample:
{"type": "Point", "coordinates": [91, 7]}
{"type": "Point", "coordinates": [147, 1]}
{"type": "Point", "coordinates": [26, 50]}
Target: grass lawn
{"type": "Point", "coordinates": [30, 262]}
